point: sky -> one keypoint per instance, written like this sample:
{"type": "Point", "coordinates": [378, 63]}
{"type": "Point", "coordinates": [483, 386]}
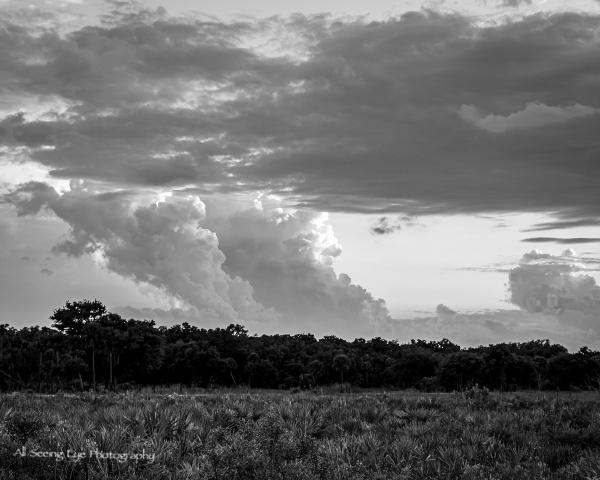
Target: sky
{"type": "Point", "coordinates": [397, 169]}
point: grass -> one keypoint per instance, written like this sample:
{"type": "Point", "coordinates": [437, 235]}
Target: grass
{"type": "Point", "coordinates": [273, 435]}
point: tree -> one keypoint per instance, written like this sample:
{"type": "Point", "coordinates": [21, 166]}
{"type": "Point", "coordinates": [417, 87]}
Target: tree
{"type": "Point", "coordinates": [71, 318]}
{"type": "Point", "coordinates": [461, 370]}
{"type": "Point", "coordinates": [341, 363]}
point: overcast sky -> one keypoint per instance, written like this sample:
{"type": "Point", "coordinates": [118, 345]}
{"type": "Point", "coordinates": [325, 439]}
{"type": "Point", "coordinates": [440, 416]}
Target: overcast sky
{"type": "Point", "coordinates": [414, 170]}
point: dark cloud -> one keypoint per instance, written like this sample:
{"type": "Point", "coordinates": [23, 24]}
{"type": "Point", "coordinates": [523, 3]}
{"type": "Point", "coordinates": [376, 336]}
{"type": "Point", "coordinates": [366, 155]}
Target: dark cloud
{"type": "Point", "coordinates": [47, 272]}
{"type": "Point", "coordinates": [385, 225]}
{"type": "Point", "coordinates": [559, 224]}
{"type": "Point", "coordinates": [426, 113]}
{"type": "Point", "coordinates": [515, 3]}
{"type": "Point", "coordinates": [564, 241]}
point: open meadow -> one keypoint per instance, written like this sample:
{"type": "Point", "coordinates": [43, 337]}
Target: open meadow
{"type": "Point", "coordinates": [279, 435]}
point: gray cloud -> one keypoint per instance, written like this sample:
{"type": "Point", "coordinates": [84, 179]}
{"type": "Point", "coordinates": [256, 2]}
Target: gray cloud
{"type": "Point", "coordinates": [345, 115]}
{"type": "Point", "coordinates": [471, 329]}
{"type": "Point", "coordinates": [559, 224]}
{"type": "Point", "coordinates": [549, 284]}
{"type": "Point", "coordinates": [558, 299]}
{"type": "Point", "coordinates": [564, 241]}
{"type": "Point", "coordinates": [385, 225]}
{"type": "Point", "coordinates": [444, 311]}
{"type": "Point", "coordinates": [515, 3]}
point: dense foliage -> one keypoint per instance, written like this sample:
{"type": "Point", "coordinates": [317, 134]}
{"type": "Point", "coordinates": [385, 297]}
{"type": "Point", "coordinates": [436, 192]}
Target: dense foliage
{"type": "Point", "coordinates": [472, 435]}
{"type": "Point", "coordinates": [89, 347]}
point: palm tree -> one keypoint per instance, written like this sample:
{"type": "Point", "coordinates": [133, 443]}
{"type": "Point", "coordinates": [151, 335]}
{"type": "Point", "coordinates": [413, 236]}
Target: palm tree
{"type": "Point", "coordinates": [341, 362]}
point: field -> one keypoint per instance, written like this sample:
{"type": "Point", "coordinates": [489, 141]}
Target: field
{"type": "Point", "coordinates": [272, 435]}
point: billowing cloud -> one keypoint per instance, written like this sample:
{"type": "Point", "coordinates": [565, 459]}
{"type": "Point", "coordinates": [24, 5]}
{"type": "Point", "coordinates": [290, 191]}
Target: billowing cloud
{"type": "Point", "coordinates": [288, 256]}
{"type": "Point", "coordinates": [550, 284]}
{"type": "Point", "coordinates": [159, 243]}
{"type": "Point", "coordinates": [262, 265]}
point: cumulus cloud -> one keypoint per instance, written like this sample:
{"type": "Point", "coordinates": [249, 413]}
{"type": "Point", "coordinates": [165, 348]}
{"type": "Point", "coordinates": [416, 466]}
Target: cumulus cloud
{"type": "Point", "coordinates": [548, 283]}
{"type": "Point", "coordinates": [444, 311]}
{"type": "Point", "coordinates": [158, 243]}
{"type": "Point", "coordinates": [557, 296]}
{"type": "Point", "coordinates": [262, 264]}
{"type": "Point", "coordinates": [288, 256]}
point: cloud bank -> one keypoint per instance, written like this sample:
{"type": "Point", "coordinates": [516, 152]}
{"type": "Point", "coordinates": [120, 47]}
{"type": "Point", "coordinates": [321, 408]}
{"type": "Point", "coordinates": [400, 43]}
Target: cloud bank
{"type": "Point", "coordinates": [422, 113]}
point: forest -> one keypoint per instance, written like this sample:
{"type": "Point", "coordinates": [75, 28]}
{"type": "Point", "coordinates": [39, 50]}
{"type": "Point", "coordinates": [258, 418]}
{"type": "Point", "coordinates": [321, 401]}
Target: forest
{"type": "Point", "coordinates": [89, 347]}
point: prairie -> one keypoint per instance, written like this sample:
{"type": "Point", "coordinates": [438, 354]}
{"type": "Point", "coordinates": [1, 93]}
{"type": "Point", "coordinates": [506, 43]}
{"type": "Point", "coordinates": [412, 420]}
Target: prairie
{"type": "Point", "coordinates": [474, 434]}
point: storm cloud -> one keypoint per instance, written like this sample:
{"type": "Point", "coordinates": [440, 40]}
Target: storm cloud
{"type": "Point", "coordinates": [423, 113]}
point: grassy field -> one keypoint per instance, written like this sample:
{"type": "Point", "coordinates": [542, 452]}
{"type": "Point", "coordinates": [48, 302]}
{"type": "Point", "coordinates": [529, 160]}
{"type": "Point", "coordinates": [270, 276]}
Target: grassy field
{"type": "Point", "coordinates": [271, 435]}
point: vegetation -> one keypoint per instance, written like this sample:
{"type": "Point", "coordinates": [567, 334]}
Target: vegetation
{"type": "Point", "coordinates": [90, 348]}
{"type": "Point", "coordinates": [474, 434]}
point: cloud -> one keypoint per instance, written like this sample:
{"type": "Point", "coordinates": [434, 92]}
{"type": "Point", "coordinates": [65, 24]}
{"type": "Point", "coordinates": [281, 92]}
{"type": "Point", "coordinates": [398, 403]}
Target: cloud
{"type": "Point", "coordinates": [535, 255]}
{"type": "Point", "coordinates": [444, 311]}
{"type": "Point", "coordinates": [337, 114]}
{"type": "Point", "coordinates": [565, 241]}
{"type": "Point", "coordinates": [47, 272]}
{"type": "Point", "coordinates": [515, 3]}
{"type": "Point", "coordinates": [556, 302]}
{"type": "Point", "coordinates": [532, 116]}
{"type": "Point", "coordinates": [263, 265]}
{"type": "Point", "coordinates": [385, 225]}
{"type": "Point", "coordinates": [471, 329]}
{"type": "Point", "coordinates": [157, 243]}
{"type": "Point", "coordinates": [288, 257]}
{"type": "Point", "coordinates": [549, 284]}
{"type": "Point", "coordinates": [559, 224]}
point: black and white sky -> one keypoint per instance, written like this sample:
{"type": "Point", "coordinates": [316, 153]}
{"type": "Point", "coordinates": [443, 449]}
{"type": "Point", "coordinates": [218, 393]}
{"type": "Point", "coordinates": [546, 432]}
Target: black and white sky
{"type": "Point", "coordinates": [398, 169]}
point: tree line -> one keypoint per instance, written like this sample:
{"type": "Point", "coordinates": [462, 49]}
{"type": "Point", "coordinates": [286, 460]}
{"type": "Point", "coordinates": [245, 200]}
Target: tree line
{"type": "Point", "coordinates": [88, 347]}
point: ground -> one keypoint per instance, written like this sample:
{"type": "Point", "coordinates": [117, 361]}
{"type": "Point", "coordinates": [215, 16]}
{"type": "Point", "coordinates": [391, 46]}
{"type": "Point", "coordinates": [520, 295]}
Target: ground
{"type": "Point", "coordinates": [307, 435]}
